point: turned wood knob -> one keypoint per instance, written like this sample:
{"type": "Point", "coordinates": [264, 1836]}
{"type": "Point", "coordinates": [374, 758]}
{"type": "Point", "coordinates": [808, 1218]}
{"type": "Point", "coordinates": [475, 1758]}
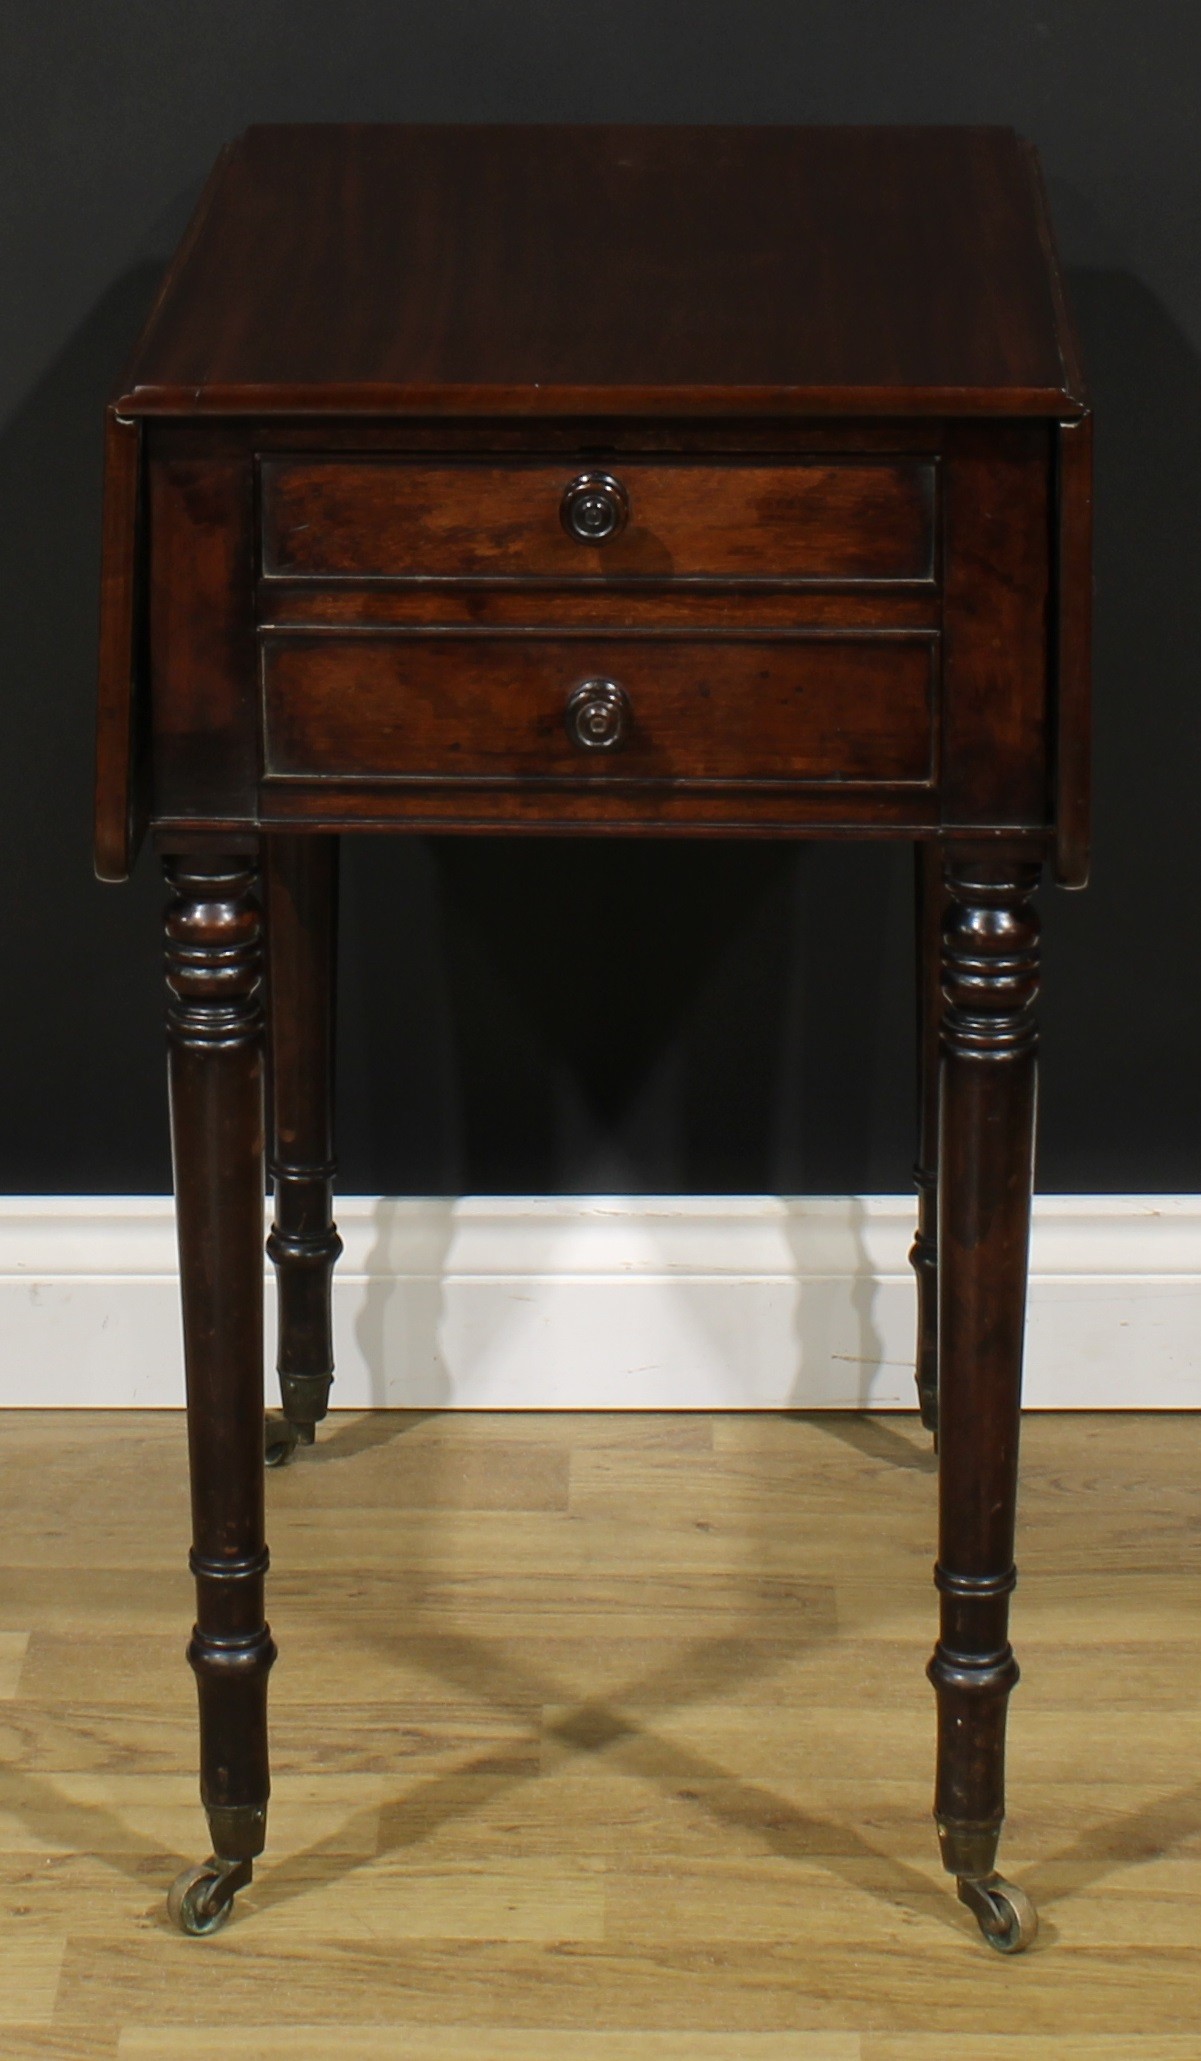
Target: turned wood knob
{"type": "Point", "coordinates": [595, 507]}
{"type": "Point", "coordinates": [597, 715]}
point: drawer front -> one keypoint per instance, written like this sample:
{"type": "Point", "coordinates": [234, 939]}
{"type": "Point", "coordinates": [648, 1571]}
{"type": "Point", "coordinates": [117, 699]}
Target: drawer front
{"type": "Point", "coordinates": [852, 520]}
{"type": "Point", "coordinates": [720, 710]}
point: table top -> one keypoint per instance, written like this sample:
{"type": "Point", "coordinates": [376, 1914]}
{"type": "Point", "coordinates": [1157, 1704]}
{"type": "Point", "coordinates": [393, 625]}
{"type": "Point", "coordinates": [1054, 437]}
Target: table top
{"type": "Point", "coordinates": [596, 269]}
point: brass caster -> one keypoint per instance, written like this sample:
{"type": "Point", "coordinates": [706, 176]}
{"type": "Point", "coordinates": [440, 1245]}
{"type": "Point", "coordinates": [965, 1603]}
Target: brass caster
{"type": "Point", "coordinates": [200, 1900]}
{"type": "Point", "coordinates": [1004, 1913]}
{"type": "Point", "coordinates": [281, 1439]}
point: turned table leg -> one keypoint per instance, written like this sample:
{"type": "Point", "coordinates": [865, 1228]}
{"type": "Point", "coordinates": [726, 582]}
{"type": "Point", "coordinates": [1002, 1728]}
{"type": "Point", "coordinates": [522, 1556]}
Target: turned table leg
{"type": "Point", "coordinates": [214, 1023]}
{"type": "Point", "coordinates": [928, 910]}
{"type": "Point", "coordinates": [301, 877]}
{"type": "Point", "coordinates": [989, 1037]}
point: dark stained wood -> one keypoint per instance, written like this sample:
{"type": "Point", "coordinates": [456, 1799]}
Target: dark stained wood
{"type": "Point", "coordinates": [1072, 800]}
{"type": "Point", "coordinates": [509, 605]}
{"type": "Point", "coordinates": [721, 709]}
{"type": "Point", "coordinates": [601, 439]}
{"type": "Point", "coordinates": [606, 807]}
{"type": "Point", "coordinates": [301, 885]}
{"type": "Point", "coordinates": [852, 520]}
{"type": "Point", "coordinates": [995, 661]}
{"type": "Point", "coordinates": [621, 270]}
{"type": "Point", "coordinates": [829, 381]}
{"type": "Point", "coordinates": [678, 604]}
{"type": "Point", "coordinates": [929, 902]}
{"type": "Point", "coordinates": [994, 748]}
{"type": "Point", "coordinates": [122, 713]}
{"type": "Point", "coordinates": [1067, 336]}
{"type": "Point", "coordinates": [202, 654]}
{"type": "Point", "coordinates": [215, 1046]}
{"type": "Point", "coordinates": [123, 780]}
{"type": "Point", "coordinates": [986, 1167]}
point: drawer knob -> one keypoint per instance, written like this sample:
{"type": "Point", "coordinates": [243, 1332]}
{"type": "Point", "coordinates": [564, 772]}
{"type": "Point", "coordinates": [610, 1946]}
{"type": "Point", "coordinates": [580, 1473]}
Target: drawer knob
{"type": "Point", "coordinates": [595, 507]}
{"type": "Point", "coordinates": [597, 715]}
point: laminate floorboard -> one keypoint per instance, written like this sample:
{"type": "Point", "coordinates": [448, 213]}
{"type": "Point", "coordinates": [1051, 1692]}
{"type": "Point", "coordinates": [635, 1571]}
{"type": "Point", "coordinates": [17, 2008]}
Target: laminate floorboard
{"type": "Point", "coordinates": [599, 1738]}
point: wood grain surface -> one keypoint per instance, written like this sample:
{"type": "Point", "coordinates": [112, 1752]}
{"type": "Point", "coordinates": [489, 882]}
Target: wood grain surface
{"type": "Point", "coordinates": [618, 269]}
{"type": "Point", "coordinates": [383, 353]}
{"type": "Point", "coordinates": [722, 709]}
{"type": "Point", "coordinates": [856, 519]}
{"type": "Point", "coordinates": [599, 1738]}
{"type": "Point", "coordinates": [121, 789]}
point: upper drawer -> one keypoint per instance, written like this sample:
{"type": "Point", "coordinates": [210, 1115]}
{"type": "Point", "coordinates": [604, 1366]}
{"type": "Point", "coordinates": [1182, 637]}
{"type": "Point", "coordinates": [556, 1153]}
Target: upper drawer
{"type": "Point", "coordinates": [847, 520]}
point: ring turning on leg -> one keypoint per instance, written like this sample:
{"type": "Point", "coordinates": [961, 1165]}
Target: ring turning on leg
{"type": "Point", "coordinates": [214, 1025]}
{"type": "Point", "coordinates": [302, 889]}
{"type": "Point", "coordinates": [988, 1040]}
{"type": "Point", "coordinates": [923, 1255]}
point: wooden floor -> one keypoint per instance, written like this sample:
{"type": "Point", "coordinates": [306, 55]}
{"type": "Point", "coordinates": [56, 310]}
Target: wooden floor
{"type": "Point", "coordinates": [599, 1738]}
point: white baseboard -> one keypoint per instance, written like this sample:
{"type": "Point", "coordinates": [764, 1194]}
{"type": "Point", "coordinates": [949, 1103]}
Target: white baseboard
{"type": "Point", "coordinates": [585, 1303]}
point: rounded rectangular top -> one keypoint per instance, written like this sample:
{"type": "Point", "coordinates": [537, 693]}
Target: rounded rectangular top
{"type": "Point", "coordinates": [606, 270]}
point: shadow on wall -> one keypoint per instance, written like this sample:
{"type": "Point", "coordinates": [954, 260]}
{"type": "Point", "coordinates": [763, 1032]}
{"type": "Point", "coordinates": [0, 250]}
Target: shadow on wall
{"type": "Point", "coordinates": [1121, 1100]}
{"type": "Point", "coordinates": [82, 1055]}
{"type": "Point", "coordinates": [612, 1305]}
{"type": "Point", "coordinates": [600, 1017]}
{"type": "Point", "coordinates": [823, 1325]}
{"type": "Point", "coordinates": [401, 1321]}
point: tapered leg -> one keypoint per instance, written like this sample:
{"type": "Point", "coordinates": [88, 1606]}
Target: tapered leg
{"type": "Point", "coordinates": [989, 1036]}
{"type": "Point", "coordinates": [302, 892]}
{"type": "Point", "coordinates": [214, 1023]}
{"type": "Point", "coordinates": [928, 908]}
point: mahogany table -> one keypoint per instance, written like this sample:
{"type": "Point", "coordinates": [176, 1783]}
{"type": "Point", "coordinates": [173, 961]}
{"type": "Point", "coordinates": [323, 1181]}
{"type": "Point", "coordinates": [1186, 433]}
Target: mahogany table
{"type": "Point", "coordinates": [615, 481]}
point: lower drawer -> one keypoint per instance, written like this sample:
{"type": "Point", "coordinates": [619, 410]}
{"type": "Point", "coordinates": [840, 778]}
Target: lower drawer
{"type": "Point", "coordinates": [521, 708]}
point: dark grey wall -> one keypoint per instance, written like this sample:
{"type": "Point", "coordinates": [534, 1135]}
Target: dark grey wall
{"type": "Point", "coordinates": [580, 1016]}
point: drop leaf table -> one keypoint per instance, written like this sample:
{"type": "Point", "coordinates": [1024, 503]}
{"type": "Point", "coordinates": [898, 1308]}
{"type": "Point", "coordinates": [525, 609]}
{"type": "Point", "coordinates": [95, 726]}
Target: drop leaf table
{"type": "Point", "coordinates": [620, 482]}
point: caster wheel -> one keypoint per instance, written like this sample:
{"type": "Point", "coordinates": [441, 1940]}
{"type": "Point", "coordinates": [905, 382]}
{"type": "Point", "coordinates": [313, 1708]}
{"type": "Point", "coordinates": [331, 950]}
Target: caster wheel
{"type": "Point", "coordinates": [1004, 1913]}
{"type": "Point", "coordinates": [282, 1437]}
{"type": "Point", "coordinates": [200, 1900]}
{"type": "Point", "coordinates": [279, 1441]}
